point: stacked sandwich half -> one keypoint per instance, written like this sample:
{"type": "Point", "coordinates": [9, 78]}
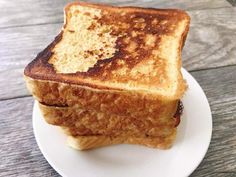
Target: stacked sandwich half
{"type": "Point", "coordinates": [113, 75]}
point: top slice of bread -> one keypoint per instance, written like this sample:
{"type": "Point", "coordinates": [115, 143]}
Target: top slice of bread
{"type": "Point", "coordinates": [124, 49]}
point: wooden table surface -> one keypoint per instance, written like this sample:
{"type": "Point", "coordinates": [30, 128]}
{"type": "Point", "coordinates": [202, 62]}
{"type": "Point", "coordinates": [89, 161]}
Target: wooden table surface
{"type": "Point", "coordinates": [27, 26]}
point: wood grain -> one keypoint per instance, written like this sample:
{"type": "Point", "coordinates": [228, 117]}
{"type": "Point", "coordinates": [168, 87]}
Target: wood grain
{"type": "Point", "coordinates": [26, 27]}
{"type": "Point", "coordinates": [19, 153]}
{"type": "Point", "coordinates": [220, 88]}
{"type": "Point", "coordinates": [19, 150]}
{"type": "Point", "coordinates": [18, 46]}
{"type": "Point", "coordinates": [211, 40]}
{"type": "Point", "coordinates": [232, 2]}
{"type": "Point", "coordinates": [28, 12]}
{"type": "Point", "coordinates": [210, 43]}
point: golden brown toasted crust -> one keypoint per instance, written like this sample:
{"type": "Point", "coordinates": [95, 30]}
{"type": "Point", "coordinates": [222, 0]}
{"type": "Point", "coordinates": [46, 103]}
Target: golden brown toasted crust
{"type": "Point", "coordinates": [60, 94]}
{"type": "Point", "coordinates": [90, 129]}
{"type": "Point", "coordinates": [83, 122]}
{"type": "Point", "coordinates": [126, 91]}
{"type": "Point", "coordinates": [40, 69]}
{"type": "Point", "coordinates": [90, 142]}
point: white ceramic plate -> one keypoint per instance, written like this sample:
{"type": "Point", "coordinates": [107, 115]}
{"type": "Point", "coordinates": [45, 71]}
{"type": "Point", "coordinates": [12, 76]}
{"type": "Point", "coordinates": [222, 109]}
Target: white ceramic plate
{"type": "Point", "coordinates": [193, 139]}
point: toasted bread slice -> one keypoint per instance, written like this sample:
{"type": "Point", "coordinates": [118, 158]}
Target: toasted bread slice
{"type": "Point", "coordinates": [113, 63]}
{"type": "Point", "coordinates": [90, 142]}
{"type": "Point", "coordinates": [124, 50]}
{"type": "Point", "coordinates": [91, 129]}
{"type": "Point", "coordinates": [110, 102]}
{"type": "Point", "coordinates": [82, 122]}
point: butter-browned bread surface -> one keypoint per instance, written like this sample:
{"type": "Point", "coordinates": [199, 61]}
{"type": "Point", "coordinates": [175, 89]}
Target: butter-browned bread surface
{"type": "Point", "coordinates": [112, 75]}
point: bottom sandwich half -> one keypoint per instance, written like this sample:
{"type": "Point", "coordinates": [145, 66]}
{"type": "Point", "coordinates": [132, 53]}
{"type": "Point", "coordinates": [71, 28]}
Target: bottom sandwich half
{"type": "Point", "coordinates": [87, 129]}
